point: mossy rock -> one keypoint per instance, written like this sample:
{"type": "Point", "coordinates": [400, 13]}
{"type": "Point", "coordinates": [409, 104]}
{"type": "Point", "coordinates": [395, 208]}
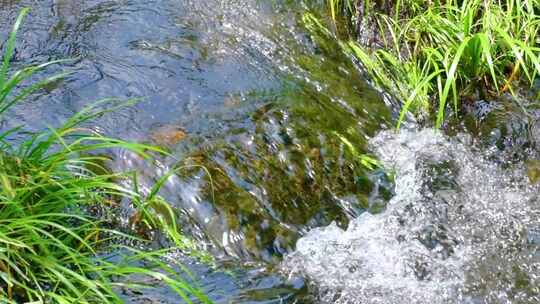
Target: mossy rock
{"type": "Point", "coordinates": [533, 171]}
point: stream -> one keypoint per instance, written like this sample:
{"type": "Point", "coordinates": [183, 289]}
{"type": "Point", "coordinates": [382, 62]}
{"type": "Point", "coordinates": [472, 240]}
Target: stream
{"type": "Point", "coordinates": [268, 126]}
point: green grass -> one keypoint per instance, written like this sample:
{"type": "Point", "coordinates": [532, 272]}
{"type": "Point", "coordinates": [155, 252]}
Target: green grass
{"type": "Point", "coordinates": [338, 7]}
{"type": "Point", "coordinates": [51, 249]}
{"type": "Point", "coordinates": [436, 54]}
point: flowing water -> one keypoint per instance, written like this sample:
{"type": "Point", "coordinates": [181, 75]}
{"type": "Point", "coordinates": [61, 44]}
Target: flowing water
{"type": "Point", "coordinates": [267, 126]}
{"type": "Point", "coordinates": [460, 229]}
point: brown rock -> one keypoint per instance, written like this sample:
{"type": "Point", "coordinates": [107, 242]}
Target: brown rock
{"type": "Point", "coordinates": [168, 135]}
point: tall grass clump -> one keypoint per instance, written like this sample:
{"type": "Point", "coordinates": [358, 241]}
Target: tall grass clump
{"type": "Point", "coordinates": [436, 54]}
{"type": "Point", "coordinates": [51, 250]}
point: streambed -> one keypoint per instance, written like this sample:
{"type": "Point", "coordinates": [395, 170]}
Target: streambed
{"type": "Point", "coordinates": [255, 111]}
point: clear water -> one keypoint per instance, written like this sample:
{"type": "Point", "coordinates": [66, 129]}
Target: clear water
{"type": "Point", "coordinates": [249, 106]}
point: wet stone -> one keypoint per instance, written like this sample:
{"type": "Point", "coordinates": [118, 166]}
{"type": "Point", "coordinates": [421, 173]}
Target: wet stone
{"type": "Point", "coordinates": [167, 135]}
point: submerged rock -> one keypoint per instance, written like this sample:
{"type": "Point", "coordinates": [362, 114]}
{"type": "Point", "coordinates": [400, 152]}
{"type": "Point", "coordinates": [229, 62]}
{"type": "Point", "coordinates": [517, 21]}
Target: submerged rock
{"type": "Point", "coordinates": [167, 135]}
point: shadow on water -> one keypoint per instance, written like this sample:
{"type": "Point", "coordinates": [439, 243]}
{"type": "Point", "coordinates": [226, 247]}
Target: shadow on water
{"type": "Point", "coordinates": [235, 89]}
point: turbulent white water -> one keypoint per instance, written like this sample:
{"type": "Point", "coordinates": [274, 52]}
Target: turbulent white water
{"type": "Point", "coordinates": [460, 229]}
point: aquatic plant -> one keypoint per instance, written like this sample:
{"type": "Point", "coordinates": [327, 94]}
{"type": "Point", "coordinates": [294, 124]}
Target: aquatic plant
{"type": "Point", "coordinates": [432, 53]}
{"type": "Point", "coordinates": [51, 249]}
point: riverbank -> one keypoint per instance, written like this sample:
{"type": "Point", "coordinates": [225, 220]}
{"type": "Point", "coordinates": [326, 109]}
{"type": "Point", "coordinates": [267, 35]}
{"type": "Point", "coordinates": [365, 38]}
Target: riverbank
{"type": "Point", "coordinates": [440, 57]}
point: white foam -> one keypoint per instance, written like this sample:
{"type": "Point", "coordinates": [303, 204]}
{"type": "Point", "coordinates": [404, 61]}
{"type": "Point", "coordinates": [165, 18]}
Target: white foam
{"type": "Point", "coordinates": [457, 231]}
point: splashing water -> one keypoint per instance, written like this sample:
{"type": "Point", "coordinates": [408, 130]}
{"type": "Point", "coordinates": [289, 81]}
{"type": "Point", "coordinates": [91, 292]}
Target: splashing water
{"type": "Point", "coordinates": [460, 229]}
